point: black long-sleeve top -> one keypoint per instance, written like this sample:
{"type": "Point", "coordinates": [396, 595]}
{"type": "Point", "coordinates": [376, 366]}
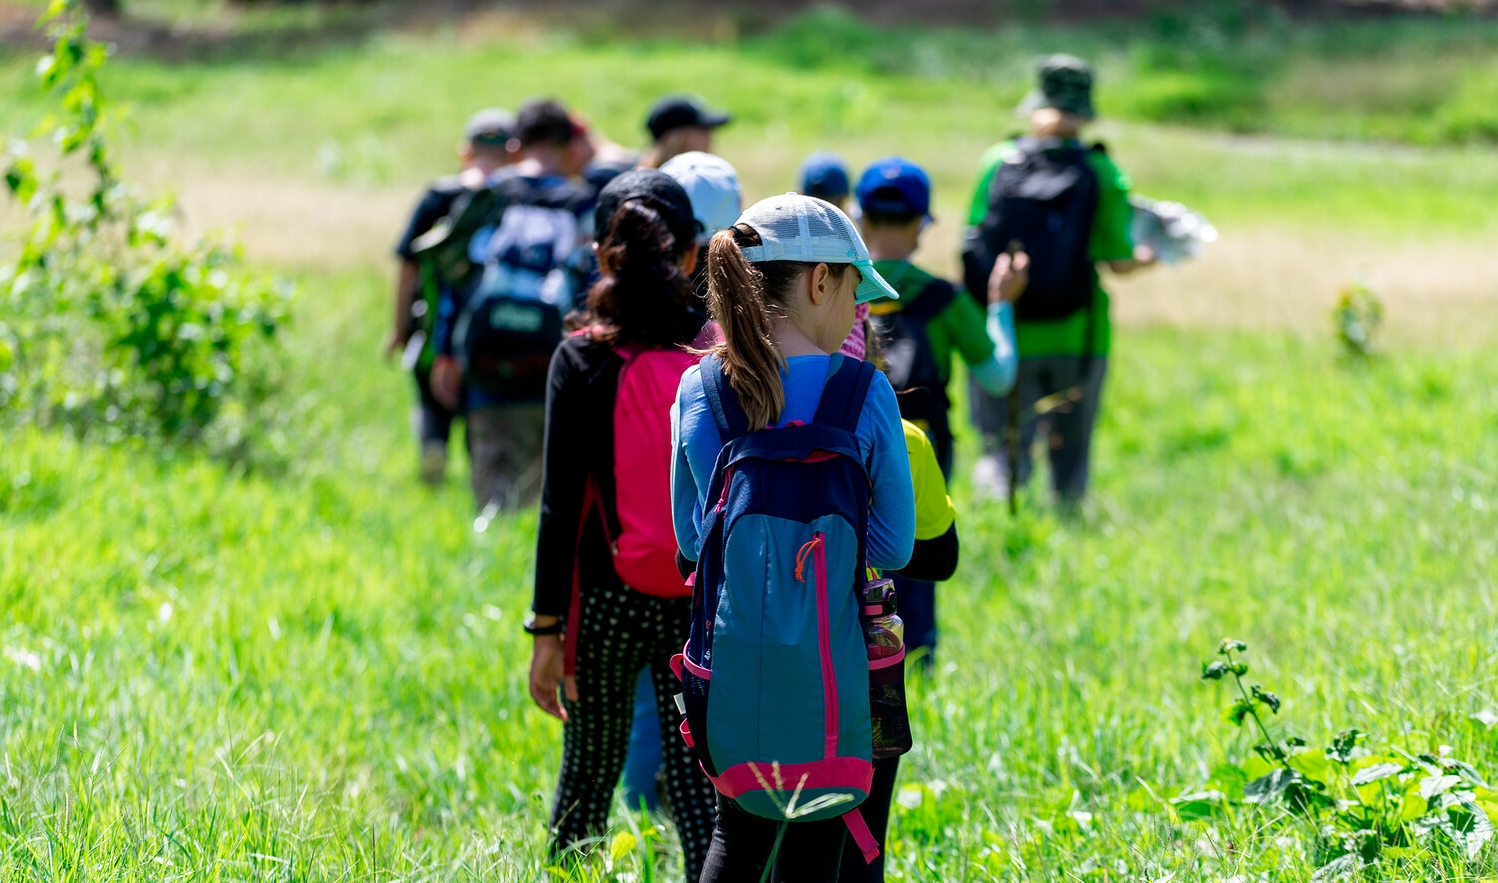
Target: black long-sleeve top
{"type": "Point", "coordinates": [580, 390]}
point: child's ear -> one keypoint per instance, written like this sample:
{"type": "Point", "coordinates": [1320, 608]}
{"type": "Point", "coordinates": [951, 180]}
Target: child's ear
{"type": "Point", "coordinates": [818, 283]}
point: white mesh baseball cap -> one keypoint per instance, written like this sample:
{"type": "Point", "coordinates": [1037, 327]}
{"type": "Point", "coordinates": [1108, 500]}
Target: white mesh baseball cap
{"type": "Point", "coordinates": [806, 229]}
{"type": "Point", "coordinates": [713, 186]}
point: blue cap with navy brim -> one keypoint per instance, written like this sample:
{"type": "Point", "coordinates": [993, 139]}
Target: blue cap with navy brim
{"type": "Point", "coordinates": [813, 231]}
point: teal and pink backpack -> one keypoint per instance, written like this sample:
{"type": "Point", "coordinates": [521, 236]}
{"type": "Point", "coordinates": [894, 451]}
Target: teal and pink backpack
{"type": "Point", "coordinates": [775, 672]}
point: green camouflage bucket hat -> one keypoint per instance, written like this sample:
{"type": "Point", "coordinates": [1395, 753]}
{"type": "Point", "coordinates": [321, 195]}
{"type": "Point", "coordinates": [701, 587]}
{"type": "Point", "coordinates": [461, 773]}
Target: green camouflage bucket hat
{"type": "Point", "coordinates": [1065, 85]}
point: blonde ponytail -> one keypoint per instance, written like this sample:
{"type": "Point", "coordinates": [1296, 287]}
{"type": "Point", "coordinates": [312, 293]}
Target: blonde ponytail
{"type": "Point", "coordinates": [737, 301]}
{"type": "Point", "coordinates": [745, 299]}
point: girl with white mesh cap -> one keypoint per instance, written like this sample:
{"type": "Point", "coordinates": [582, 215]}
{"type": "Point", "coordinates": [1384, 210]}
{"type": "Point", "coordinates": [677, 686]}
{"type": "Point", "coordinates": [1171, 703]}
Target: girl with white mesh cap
{"type": "Point", "coordinates": [783, 284]}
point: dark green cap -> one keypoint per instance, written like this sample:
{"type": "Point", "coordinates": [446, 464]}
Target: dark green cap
{"type": "Point", "coordinates": [1065, 84]}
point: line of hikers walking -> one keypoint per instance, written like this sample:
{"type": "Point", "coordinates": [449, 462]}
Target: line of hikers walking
{"type": "Point", "coordinates": [737, 424]}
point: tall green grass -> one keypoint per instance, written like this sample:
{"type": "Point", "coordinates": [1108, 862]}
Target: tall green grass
{"type": "Point", "coordinates": [317, 672]}
{"type": "Point", "coordinates": [320, 676]}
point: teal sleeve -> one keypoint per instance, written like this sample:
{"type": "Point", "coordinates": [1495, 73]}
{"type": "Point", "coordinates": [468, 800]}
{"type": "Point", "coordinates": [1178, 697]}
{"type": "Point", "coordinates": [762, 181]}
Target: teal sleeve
{"type": "Point", "coordinates": [996, 375]}
{"type": "Point", "coordinates": [891, 536]}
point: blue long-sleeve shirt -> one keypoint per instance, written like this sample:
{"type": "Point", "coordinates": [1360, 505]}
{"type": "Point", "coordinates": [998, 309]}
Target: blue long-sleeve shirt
{"type": "Point", "coordinates": [881, 440]}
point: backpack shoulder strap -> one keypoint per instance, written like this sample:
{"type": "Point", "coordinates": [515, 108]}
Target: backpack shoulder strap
{"type": "Point", "coordinates": [730, 418]}
{"type": "Point", "coordinates": [844, 393]}
{"type": "Point", "coordinates": [931, 300]}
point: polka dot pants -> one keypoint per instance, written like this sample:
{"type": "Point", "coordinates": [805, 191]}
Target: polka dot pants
{"type": "Point", "coordinates": [620, 632]}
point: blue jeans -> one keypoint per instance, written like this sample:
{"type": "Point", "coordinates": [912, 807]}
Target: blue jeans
{"type": "Point", "coordinates": [643, 762]}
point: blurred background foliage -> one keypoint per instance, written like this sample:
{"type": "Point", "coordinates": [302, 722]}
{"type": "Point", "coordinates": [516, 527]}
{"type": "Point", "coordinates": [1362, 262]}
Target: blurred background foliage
{"type": "Point", "coordinates": [1414, 71]}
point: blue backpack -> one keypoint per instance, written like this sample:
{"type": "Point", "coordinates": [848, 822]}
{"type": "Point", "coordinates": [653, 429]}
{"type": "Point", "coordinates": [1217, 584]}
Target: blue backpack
{"type": "Point", "coordinates": [522, 282]}
{"type": "Point", "coordinates": [775, 673]}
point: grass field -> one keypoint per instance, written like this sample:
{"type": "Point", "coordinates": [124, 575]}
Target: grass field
{"type": "Point", "coordinates": [317, 674]}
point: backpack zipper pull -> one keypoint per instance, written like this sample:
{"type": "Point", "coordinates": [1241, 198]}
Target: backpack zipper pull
{"type": "Point", "coordinates": [806, 549]}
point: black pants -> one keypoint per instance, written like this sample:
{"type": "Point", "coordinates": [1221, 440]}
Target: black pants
{"type": "Point", "coordinates": [811, 852]}
{"type": "Point", "coordinates": [1068, 427]}
{"type": "Point", "coordinates": [434, 419]}
{"type": "Point", "coordinates": [620, 632]}
{"type": "Point", "coordinates": [875, 812]}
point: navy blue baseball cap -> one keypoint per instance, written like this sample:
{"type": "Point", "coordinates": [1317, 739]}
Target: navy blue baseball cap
{"type": "Point", "coordinates": [895, 186]}
{"type": "Point", "coordinates": [825, 176]}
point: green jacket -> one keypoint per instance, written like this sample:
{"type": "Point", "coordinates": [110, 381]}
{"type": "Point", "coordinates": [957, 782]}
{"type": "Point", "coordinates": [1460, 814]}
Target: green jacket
{"type": "Point", "coordinates": [1112, 240]}
{"type": "Point", "coordinates": [961, 327]}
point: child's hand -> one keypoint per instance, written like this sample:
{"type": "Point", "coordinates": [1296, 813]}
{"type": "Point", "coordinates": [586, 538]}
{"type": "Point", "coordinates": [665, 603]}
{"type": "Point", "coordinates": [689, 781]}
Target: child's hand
{"type": "Point", "coordinates": [1009, 277]}
{"type": "Point", "coordinates": [546, 674]}
{"type": "Point", "coordinates": [447, 380]}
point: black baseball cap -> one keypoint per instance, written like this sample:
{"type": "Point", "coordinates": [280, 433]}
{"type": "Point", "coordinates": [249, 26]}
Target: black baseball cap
{"type": "Point", "coordinates": [660, 190]}
{"type": "Point", "coordinates": [491, 127]}
{"type": "Point", "coordinates": [681, 112]}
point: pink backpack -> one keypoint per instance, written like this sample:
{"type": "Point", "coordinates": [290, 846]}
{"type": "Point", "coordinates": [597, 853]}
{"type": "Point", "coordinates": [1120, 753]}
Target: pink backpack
{"type": "Point", "coordinates": [645, 549]}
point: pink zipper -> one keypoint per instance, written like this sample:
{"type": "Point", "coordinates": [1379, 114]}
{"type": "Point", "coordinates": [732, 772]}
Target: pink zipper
{"type": "Point", "coordinates": [723, 495]}
{"type": "Point", "coordinates": [818, 548]}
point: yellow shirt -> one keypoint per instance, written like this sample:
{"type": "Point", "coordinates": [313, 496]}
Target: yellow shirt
{"type": "Point", "coordinates": [934, 512]}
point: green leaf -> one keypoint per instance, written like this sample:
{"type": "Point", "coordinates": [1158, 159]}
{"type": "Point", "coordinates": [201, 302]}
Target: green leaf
{"type": "Point", "coordinates": [1214, 671]}
{"type": "Point", "coordinates": [1434, 786]}
{"type": "Point", "coordinates": [1462, 820]}
{"type": "Point", "coordinates": [1228, 779]}
{"type": "Point", "coordinates": [1468, 773]}
{"type": "Point", "coordinates": [1230, 645]}
{"type": "Point", "coordinates": [1314, 765]}
{"type": "Point", "coordinates": [1343, 744]}
{"type": "Point", "coordinates": [1236, 712]}
{"type": "Point", "coordinates": [1266, 698]}
{"type": "Point", "coordinates": [1376, 773]}
{"type": "Point", "coordinates": [1273, 787]}
{"type": "Point", "coordinates": [1199, 805]}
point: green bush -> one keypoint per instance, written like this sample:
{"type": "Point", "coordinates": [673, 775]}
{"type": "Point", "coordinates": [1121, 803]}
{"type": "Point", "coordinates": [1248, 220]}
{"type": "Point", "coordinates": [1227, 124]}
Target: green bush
{"type": "Point", "coordinates": [1471, 114]}
{"type": "Point", "coordinates": [110, 326]}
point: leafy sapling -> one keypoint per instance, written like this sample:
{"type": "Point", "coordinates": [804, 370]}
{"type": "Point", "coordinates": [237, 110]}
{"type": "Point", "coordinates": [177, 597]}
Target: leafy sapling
{"type": "Point", "coordinates": [1249, 699]}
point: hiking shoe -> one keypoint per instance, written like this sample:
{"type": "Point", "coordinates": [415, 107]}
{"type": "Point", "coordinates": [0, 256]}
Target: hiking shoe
{"type": "Point", "coordinates": [433, 464]}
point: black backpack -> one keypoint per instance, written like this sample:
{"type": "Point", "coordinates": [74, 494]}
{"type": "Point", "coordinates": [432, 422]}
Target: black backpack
{"type": "Point", "coordinates": [505, 258]}
{"type": "Point", "coordinates": [1044, 199]}
{"type": "Point", "coordinates": [909, 362]}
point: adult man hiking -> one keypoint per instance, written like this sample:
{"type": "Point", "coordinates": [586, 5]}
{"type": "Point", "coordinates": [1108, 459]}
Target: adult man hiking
{"type": "Point", "coordinates": [1066, 205]}
{"type": "Point", "coordinates": [680, 124]}
{"type": "Point", "coordinates": [484, 150]}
